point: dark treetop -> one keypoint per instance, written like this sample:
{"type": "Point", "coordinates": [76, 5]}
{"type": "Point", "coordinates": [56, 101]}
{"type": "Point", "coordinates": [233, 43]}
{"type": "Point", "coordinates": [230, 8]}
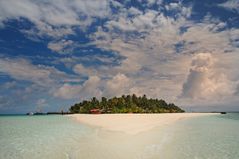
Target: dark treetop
{"type": "Point", "coordinates": [125, 104]}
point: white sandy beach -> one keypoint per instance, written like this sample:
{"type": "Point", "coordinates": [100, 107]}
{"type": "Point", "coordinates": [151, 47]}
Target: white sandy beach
{"type": "Point", "coordinates": [133, 123]}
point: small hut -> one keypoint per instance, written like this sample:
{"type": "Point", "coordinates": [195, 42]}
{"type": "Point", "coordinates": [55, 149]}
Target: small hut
{"type": "Point", "coordinates": [95, 111]}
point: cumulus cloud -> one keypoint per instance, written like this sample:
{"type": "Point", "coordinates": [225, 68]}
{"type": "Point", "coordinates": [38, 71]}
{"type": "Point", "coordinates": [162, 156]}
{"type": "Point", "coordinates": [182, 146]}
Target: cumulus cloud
{"type": "Point", "coordinates": [94, 86]}
{"type": "Point", "coordinates": [149, 40]}
{"type": "Point", "coordinates": [151, 60]}
{"type": "Point", "coordinates": [68, 91]}
{"type": "Point", "coordinates": [118, 85]}
{"type": "Point", "coordinates": [88, 89]}
{"type": "Point", "coordinates": [204, 82]}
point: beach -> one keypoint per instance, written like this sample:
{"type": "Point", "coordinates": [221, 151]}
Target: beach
{"type": "Point", "coordinates": [134, 123]}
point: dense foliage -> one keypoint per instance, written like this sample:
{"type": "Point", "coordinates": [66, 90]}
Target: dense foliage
{"type": "Point", "coordinates": [126, 104]}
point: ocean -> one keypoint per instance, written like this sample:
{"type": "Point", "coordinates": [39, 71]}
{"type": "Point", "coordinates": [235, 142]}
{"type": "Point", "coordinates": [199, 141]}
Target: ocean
{"type": "Point", "coordinates": [60, 137]}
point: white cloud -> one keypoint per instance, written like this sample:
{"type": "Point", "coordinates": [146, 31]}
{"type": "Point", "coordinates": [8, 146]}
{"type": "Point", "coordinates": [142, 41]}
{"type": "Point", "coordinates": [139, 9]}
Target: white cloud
{"type": "Point", "coordinates": [80, 69]}
{"type": "Point", "coordinates": [139, 23]}
{"type": "Point", "coordinates": [62, 46]}
{"type": "Point", "coordinates": [45, 29]}
{"type": "Point", "coordinates": [157, 70]}
{"type": "Point", "coordinates": [134, 11]}
{"type": "Point", "coordinates": [23, 70]}
{"type": "Point", "coordinates": [116, 4]}
{"type": "Point", "coordinates": [118, 85]}
{"type": "Point", "coordinates": [68, 91]}
{"type": "Point", "coordinates": [50, 17]}
{"type": "Point", "coordinates": [230, 5]}
{"type": "Point", "coordinates": [146, 40]}
{"type": "Point", "coordinates": [88, 89]}
{"type": "Point", "coordinates": [152, 2]}
{"type": "Point", "coordinates": [181, 10]}
{"type": "Point", "coordinates": [204, 82]}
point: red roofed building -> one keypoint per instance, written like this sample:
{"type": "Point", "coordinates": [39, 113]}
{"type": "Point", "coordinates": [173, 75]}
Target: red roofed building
{"type": "Point", "coordinates": [95, 111]}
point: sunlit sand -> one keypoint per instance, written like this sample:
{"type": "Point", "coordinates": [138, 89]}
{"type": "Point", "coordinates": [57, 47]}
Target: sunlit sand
{"type": "Point", "coordinates": [133, 123]}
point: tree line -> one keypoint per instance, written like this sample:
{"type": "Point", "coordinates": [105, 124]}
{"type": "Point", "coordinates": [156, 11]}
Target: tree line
{"type": "Point", "coordinates": [125, 104]}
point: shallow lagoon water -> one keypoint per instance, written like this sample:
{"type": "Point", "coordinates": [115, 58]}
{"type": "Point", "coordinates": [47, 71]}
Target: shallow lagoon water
{"type": "Point", "coordinates": [210, 137]}
{"type": "Point", "coordinates": [60, 137]}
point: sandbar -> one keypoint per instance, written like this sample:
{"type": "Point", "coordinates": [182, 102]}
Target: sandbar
{"type": "Point", "coordinates": [133, 123]}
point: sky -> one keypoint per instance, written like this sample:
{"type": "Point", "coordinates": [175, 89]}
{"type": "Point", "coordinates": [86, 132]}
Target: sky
{"type": "Point", "coordinates": [54, 53]}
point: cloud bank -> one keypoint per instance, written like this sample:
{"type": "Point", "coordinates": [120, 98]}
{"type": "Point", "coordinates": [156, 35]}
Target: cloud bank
{"type": "Point", "coordinates": [155, 48]}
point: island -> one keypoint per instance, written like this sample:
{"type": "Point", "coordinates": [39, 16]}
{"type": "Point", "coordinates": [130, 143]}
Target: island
{"type": "Point", "coordinates": [124, 104]}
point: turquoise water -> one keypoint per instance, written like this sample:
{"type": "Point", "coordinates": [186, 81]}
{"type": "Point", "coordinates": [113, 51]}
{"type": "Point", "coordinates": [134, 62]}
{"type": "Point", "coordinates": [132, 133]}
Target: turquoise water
{"type": "Point", "coordinates": [211, 137]}
{"type": "Point", "coordinates": [60, 137]}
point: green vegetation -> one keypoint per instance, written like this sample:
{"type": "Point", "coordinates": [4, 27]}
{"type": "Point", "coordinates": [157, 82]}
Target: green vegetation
{"type": "Point", "coordinates": [126, 104]}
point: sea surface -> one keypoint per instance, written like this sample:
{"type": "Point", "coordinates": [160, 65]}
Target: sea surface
{"type": "Point", "coordinates": [60, 137]}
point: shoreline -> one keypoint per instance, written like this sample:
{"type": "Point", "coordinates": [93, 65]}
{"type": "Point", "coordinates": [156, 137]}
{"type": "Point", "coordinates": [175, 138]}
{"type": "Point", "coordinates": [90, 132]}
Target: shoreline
{"type": "Point", "coordinates": [133, 123]}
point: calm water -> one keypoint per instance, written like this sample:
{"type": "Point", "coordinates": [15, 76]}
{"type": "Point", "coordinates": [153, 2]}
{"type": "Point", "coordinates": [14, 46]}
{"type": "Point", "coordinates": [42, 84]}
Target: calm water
{"type": "Point", "coordinates": [59, 137]}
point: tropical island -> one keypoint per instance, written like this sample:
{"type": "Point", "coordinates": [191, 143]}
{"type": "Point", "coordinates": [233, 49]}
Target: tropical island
{"type": "Point", "coordinates": [124, 104]}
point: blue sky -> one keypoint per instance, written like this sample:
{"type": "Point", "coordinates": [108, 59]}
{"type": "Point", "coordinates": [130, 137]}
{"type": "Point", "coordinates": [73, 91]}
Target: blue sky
{"type": "Point", "coordinates": [55, 53]}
